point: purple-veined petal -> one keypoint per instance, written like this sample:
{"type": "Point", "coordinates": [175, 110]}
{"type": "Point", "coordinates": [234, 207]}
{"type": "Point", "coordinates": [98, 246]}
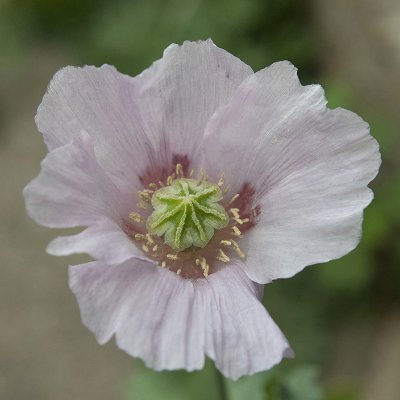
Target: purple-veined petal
{"type": "Point", "coordinates": [309, 166]}
{"type": "Point", "coordinates": [172, 323]}
{"type": "Point", "coordinates": [142, 122]}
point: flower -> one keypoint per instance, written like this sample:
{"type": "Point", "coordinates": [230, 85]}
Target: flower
{"type": "Point", "coordinates": [198, 181]}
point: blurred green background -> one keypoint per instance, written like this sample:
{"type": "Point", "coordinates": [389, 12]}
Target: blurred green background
{"type": "Point", "coordinates": [342, 318]}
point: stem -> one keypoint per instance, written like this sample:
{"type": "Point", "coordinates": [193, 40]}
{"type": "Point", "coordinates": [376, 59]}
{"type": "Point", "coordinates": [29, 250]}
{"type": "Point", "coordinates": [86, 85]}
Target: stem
{"type": "Point", "coordinates": [221, 385]}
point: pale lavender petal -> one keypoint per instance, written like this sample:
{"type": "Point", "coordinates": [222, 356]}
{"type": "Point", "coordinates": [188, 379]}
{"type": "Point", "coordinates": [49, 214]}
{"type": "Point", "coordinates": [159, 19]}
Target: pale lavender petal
{"type": "Point", "coordinates": [72, 189]}
{"type": "Point", "coordinates": [105, 241]}
{"type": "Point", "coordinates": [141, 122]}
{"type": "Point", "coordinates": [151, 311]}
{"type": "Point", "coordinates": [309, 166]}
{"type": "Point", "coordinates": [180, 92]}
{"type": "Point", "coordinates": [241, 336]}
{"type": "Point", "coordinates": [172, 323]}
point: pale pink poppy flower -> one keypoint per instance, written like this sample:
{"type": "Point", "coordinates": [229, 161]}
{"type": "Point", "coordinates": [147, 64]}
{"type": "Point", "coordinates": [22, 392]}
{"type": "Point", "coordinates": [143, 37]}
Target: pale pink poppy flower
{"type": "Point", "coordinates": [198, 181]}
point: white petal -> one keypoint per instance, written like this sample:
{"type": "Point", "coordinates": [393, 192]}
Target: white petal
{"type": "Point", "coordinates": [309, 166]}
{"type": "Point", "coordinates": [72, 189]}
{"type": "Point", "coordinates": [141, 123]}
{"type": "Point", "coordinates": [172, 322]}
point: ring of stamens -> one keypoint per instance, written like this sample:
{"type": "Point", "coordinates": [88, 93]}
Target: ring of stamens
{"type": "Point", "coordinates": [174, 205]}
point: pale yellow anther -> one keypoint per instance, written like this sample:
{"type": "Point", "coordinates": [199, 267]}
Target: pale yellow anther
{"type": "Point", "coordinates": [179, 170]}
{"type": "Point", "coordinates": [191, 173]}
{"type": "Point", "coordinates": [169, 180]}
{"type": "Point", "coordinates": [155, 248]}
{"type": "Point", "coordinates": [236, 231]}
{"type": "Point", "coordinates": [222, 256]}
{"type": "Point", "coordinates": [172, 256]}
{"type": "Point", "coordinates": [226, 242]}
{"type": "Point", "coordinates": [135, 217]}
{"type": "Point", "coordinates": [163, 264]}
{"type": "Point", "coordinates": [149, 191]}
{"type": "Point", "coordinates": [235, 212]}
{"type": "Point", "coordinates": [246, 220]}
{"type": "Point", "coordinates": [144, 196]}
{"type": "Point", "coordinates": [140, 236]}
{"type": "Point", "coordinates": [197, 261]}
{"type": "Point", "coordinates": [238, 250]}
{"type": "Point", "coordinates": [149, 238]}
{"type": "Point", "coordinates": [145, 248]}
{"type": "Point", "coordinates": [204, 266]}
{"type": "Point", "coordinates": [234, 198]}
{"type": "Point", "coordinates": [179, 271]}
{"type": "Point", "coordinates": [142, 206]}
{"type": "Point", "coordinates": [152, 185]}
{"type": "Point", "coordinates": [160, 183]}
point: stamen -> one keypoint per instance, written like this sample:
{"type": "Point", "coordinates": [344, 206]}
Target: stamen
{"type": "Point", "coordinates": [172, 256]}
{"type": "Point", "coordinates": [238, 250]}
{"type": "Point", "coordinates": [142, 206]}
{"type": "Point", "coordinates": [163, 264]}
{"type": "Point", "coordinates": [191, 173]}
{"type": "Point", "coordinates": [179, 271]}
{"type": "Point", "coordinates": [236, 231]}
{"type": "Point", "coordinates": [226, 242]}
{"type": "Point", "coordinates": [135, 217]}
{"type": "Point", "coordinates": [144, 196]}
{"type": "Point", "coordinates": [233, 198]}
{"type": "Point", "coordinates": [155, 248]}
{"type": "Point", "coordinates": [161, 184]}
{"type": "Point", "coordinates": [179, 170]}
{"type": "Point", "coordinates": [153, 185]}
{"type": "Point", "coordinates": [222, 256]}
{"type": "Point", "coordinates": [140, 236]}
{"type": "Point", "coordinates": [205, 267]}
{"type": "Point", "coordinates": [145, 248]}
{"type": "Point", "coordinates": [235, 212]}
{"type": "Point", "coordinates": [149, 238]}
{"type": "Point", "coordinates": [170, 180]}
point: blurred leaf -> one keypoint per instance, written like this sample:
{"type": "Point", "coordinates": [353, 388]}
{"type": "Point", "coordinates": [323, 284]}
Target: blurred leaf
{"type": "Point", "coordinates": [250, 387]}
{"type": "Point", "coordinates": [301, 383]}
{"type": "Point", "coordinates": [177, 385]}
{"type": "Point", "coordinates": [342, 393]}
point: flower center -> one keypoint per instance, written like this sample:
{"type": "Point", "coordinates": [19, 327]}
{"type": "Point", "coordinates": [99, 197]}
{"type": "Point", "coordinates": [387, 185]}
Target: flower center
{"type": "Point", "coordinates": [186, 213]}
{"type": "Point", "coordinates": [186, 226]}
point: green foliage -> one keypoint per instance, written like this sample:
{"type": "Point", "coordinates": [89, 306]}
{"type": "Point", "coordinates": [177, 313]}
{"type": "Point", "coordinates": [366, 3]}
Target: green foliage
{"type": "Point", "coordinates": [294, 382]}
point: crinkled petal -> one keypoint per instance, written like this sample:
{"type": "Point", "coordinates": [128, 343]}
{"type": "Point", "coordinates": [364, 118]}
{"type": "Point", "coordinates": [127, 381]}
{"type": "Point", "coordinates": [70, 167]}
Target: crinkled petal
{"type": "Point", "coordinates": [141, 122]}
{"type": "Point", "coordinates": [171, 323]}
{"type": "Point", "coordinates": [72, 189]}
{"type": "Point", "coordinates": [309, 166]}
